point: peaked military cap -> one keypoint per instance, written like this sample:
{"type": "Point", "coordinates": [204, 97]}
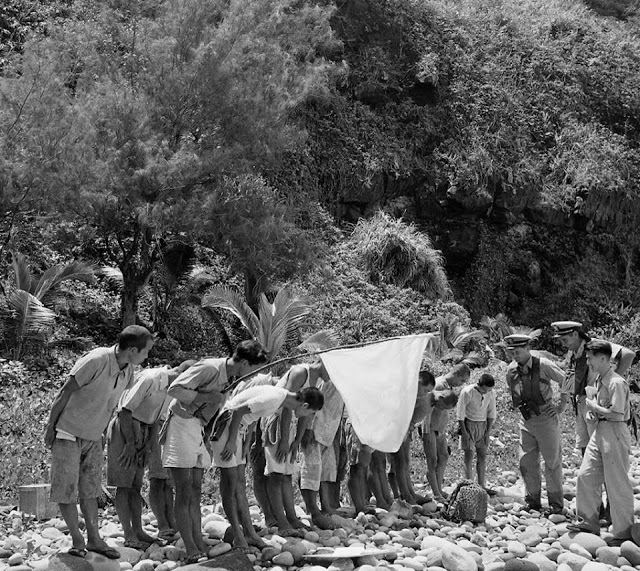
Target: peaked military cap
{"type": "Point", "coordinates": [517, 340]}
{"type": "Point", "coordinates": [565, 327]}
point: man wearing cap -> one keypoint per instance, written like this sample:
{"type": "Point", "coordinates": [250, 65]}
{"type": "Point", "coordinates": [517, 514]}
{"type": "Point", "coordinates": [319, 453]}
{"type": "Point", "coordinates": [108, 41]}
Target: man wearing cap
{"type": "Point", "coordinates": [606, 459]}
{"type": "Point", "coordinates": [574, 339]}
{"type": "Point", "coordinates": [529, 381]}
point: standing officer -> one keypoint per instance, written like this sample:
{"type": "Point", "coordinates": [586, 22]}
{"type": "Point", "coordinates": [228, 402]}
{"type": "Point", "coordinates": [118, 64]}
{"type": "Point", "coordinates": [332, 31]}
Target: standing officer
{"type": "Point", "coordinates": [574, 339]}
{"type": "Point", "coordinates": [606, 460]}
{"type": "Point", "coordinates": [528, 379]}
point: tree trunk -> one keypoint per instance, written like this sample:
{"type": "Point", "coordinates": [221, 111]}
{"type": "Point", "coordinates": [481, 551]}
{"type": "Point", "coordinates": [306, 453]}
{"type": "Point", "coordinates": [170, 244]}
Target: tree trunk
{"type": "Point", "coordinates": [251, 288]}
{"type": "Point", "coordinates": [129, 302]}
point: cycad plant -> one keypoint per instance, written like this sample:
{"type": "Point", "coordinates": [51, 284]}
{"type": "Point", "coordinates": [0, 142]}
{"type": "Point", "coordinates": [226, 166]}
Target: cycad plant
{"type": "Point", "coordinates": [27, 316]}
{"type": "Point", "coordinates": [273, 325]}
{"type": "Point", "coordinates": [458, 343]}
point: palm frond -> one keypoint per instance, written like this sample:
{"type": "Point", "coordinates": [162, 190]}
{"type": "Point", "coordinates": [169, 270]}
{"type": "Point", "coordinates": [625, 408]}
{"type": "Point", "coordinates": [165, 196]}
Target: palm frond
{"type": "Point", "coordinates": [22, 272]}
{"type": "Point", "coordinates": [281, 319]}
{"type": "Point", "coordinates": [496, 327]}
{"type": "Point", "coordinates": [320, 340]}
{"type": "Point", "coordinates": [112, 275]}
{"type": "Point", "coordinates": [222, 297]}
{"type": "Point", "coordinates": [455, 356]}
{"type": "Point", "coordinates": [31, 317]}
{"type": "Point", "coordinates": [475, 359]}
{"type": "Point", "coordinates": [178, 262]}
{"type": "Point", "coordinates": [465, 340]}
{"type": "Point", "coordinates": [55, 275]}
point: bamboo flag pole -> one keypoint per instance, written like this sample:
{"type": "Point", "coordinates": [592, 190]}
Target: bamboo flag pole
{"type": "Point", "coordinates": [320, 352]}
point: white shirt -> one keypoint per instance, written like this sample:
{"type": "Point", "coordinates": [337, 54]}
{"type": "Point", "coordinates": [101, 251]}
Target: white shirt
{"type": "Point", "coordinates": [262, 400]}
{"type": "Point", "coordinates": [473, 405]}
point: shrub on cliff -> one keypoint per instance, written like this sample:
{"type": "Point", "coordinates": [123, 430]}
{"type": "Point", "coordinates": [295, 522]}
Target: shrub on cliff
{"type": "Point", "coordinates": [394, 252]}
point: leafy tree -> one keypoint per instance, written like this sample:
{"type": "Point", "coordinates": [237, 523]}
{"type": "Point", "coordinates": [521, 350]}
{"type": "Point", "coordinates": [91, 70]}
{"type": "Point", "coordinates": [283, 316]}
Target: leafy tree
{"type": "Point", "coordinates": [259, 231]}
{"type": "Point", "coordinates": [128, 113]}
{"type": "Point", "coordinates": [28, 317]}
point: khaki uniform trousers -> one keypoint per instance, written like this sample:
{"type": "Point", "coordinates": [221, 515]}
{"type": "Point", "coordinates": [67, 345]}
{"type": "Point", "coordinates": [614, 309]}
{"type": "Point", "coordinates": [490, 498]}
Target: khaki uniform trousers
{"type": "Point", "coordinates": [584, 427]}
{"type": "Point", "coordinates": [541, 435]}
{"type": "Point", "coordinates": [606, 461]}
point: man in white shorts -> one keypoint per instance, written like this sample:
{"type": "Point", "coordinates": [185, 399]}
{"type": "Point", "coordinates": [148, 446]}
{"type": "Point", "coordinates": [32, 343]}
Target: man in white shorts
{"type": "Point", "coordinates": [198, 395]}
{"type": "Point", "coordinates": [231, 447]}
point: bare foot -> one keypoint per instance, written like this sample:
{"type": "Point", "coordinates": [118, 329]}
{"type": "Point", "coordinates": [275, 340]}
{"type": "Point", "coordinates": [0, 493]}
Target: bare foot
{"type": "Point", "coordinates": [201, 545]}
{"type": "Point", "coordinates": [298, 524]}
{"type": "Point", "coordinates": [256, 541]}
{"type": "Point", "coordinates": [290, 532]}
{"type": "Point", "coordinates": [421, 499]}
{"type": "Point", "coordinates": [142, 536]}
{"type": "Point", "coordinates": [323, 521]}
{"type": "Point", "coordinates": [239, 542]}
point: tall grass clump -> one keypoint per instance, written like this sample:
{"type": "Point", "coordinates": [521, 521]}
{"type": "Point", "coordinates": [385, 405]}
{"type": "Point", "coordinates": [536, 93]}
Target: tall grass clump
{"type": "Point", "coordinates": [398, 253]}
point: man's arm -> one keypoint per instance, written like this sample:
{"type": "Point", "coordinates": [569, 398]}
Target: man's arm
{"type": "Point", "coordinates": [234, 426]}
{"type": "Point", "coordinates": [296, 380]}
{"type": "Point", "coordinates": [129, 454]}
{"type": "Point", "coordinates": [553, 372]}
{"type": "Point", "coordinates": [59, 404]}
{"type": "Point", "coordinates": [461, 414]}
{"type": "Point", "coordinates": [615, 411]}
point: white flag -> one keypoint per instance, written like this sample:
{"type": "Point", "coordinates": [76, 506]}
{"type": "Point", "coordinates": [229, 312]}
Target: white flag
{"type": "Point", "coordinates": [379, 385]}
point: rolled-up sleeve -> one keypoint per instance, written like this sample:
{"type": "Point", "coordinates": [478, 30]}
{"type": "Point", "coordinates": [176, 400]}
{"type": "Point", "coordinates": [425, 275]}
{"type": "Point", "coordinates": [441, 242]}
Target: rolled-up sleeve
{"type": "Point", "coordinates": [619, 397]}
{"type": "Point", "coordinates": [185, 387]}
{"type": "Point", "coordinates": [552, 372]}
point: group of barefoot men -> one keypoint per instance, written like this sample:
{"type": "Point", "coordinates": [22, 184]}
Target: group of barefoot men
{"type": "Point", "coordinates": [177, 422]}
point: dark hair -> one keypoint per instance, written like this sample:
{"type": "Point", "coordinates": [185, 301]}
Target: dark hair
{"type": "Point", "coordinates": [426, 378]}
{"type": "Point", "coordinates": [312, 396]}
{"type": "Point", "coordinates": [134, 336]}
{"type": "Point", "coordinates": [583, 334]}
{"type": "Point", "coordinates": [250, 351]}
{"type": "Point", "coordinates": [448, 398]}
{"type": "Point", "coordinates": [599, 347]}
{"type": "Point", "coordinates": [461, 370]}
{"type": "Point", "coordinates": [487, 380]}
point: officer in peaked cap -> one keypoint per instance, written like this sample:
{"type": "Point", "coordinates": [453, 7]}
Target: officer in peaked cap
{"type": "Point", "coordinates": [562, 328]}
{"type": "Point", "coordinates": [517, 340]}
{"type": "Point", "coordinates": [529, 381]}
{"type": "Point", "coordinates": [572, 337]}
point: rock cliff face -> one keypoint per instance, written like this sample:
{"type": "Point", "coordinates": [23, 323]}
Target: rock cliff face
{"type": "Point", "coordinates": [518, 236]}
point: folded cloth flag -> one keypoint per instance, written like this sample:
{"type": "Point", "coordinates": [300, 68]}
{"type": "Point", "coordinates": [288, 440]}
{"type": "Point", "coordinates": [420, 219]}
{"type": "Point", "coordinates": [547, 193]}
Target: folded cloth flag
{"type": "Point", "coordinates": [379, 385]}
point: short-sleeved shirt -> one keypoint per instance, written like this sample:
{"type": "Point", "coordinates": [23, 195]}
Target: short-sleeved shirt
{"type": "Point", "coordinates": [207, 375]}
{"type": "Point", "coordinates": [102, 382]}
{"type": "Point", "coordinates": [262, 401]}
{"type": "Point", "coordinates": [147, 399]}
{"type": "Point", "coordinates": [613, 393]}
{"type": "Point", "coordinates": [473, 405]}
{"type": "Point", "coordinates": [549, 371]}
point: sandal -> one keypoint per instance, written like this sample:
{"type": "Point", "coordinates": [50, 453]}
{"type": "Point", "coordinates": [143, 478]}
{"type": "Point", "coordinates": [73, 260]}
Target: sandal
{"type": "Point", "coordinates": [108, 552]}
{"type": "Point", "coordinates": [137, 544]}
{"type": "Point", "coordinates": [581, 526]}
{"type": "Point", "coordinates": [78, 552]}
{"type": "Point", "coordinates": [197, 557]}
